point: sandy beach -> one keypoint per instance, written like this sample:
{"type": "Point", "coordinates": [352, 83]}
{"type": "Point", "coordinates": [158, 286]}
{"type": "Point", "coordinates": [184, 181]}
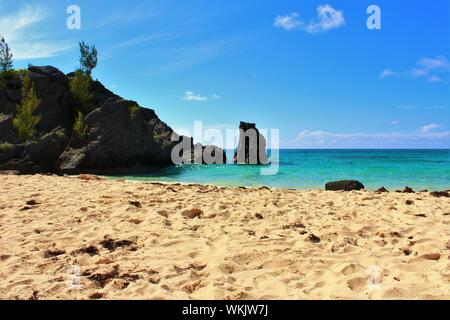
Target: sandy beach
{"type": "Point", "coordinates": [88, 238]}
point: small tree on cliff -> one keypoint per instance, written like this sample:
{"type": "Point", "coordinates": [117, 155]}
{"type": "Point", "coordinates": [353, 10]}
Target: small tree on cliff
{"type": "Point", "coordinates": [80, 87]}
{"type": "Point", "coordinates": [79, 127]}
{"type": "Point", "coordinates": [6, 62]}
{"type": "Point", "coordinates": [25, 121]}
{"type": "Point", "coordinates": [88, 57]}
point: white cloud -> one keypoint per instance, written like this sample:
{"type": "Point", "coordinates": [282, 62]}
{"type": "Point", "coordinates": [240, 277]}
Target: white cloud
{"type": "Point", "coordinates": [424, 68]}
{"type": "Point", "coordinates": [439, 62]}
{"type": "Point", "coordinates": [142, 39]}
{"type": "Point", "coordinates": [417, 72]}
{"type": "Point", "coordinates": [288, 22]}
{"type": "Point", "coordinates": [433, 79]}
{"type": "Point", "coordinates": [21, 31]}
{"type": "Point", "coordinates": [325, 139]}
{"type": "Point", "coordinates": [430, 127]}
{"type": "Point", "coordinates": [216, 96]}
{"type": "Point", "coordinates": [191, 96]}
{"type": "Point", "coordinates": [327, 18]}
{"type": "Point", "coordinates": [395, 122]}
{"type": "Point", "coordinates": [388, 73]}
{"type": "Point", "coordinates": [409, 107]}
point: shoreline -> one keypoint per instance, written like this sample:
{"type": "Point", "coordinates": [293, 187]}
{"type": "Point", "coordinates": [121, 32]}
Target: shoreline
{"type": "Point", "coordinates": [131, 240]}
{"type": "Point", "coordinates": [137, 180]}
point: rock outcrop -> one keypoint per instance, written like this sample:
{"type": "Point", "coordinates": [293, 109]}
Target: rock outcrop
{"type": "Point", "coordinates": [345, 185]}
{"type": "Point", "coordinates": [39, 156]}
{"type": "Point", "coordinates": [119, 135]}
{"type": "Point", "coordinates": [119, 138]}
{"type": "Point", "coordinates": [251, 146]}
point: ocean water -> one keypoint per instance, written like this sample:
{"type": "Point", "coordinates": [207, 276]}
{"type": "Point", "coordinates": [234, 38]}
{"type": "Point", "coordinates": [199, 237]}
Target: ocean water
{"type": "Point", "coordinates": [312, 169]}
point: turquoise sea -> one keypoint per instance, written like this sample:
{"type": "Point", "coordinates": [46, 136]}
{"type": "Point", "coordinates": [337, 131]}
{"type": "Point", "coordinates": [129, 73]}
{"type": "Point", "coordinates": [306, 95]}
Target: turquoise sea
{"type": "Point", "coordinates": [311, 169]}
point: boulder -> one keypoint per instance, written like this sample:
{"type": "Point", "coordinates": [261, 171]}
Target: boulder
{"type": "Point", "coordinates": [10, 94]}
{"type": "Point", "coordinates": [51, 87]}
{"type": "Point", "coordinates": [57, 106]}
{"type": "Point", "coordinates": [7, 133]}
{"type": "Point", "coordinates": [345, 185]}
{"type": "Point", "coordinates": [39, 156]}
{"type": "Point", "coordinates": [119, 139]}
{"type": "Point", "coordinates": [251, 146]}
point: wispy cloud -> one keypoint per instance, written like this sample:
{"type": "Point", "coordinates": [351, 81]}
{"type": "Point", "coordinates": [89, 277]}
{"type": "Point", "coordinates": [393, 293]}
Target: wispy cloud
{"type": "Point", "coordinates": [216, 96]}
{"type": "Point", "coordinates": [325, 139]}
{"type": "Point", "coordinates": [327, 18]}
{"type": "Point", "coordinates": [288, 22]}
{"type": "Point", "coordinates": [142, 39]}
{"type": "Point", "coordinates": [430, 127]}
{"type": "Point", "coordinates": [22, 31]}
{"type": "Point", "coordinates": [427, 68]}
{"type": "Point", "coordinates": [191, 96]}
{"type": "Point", "coordinates": [388, 73]}
{"type": "Point", "coordinates": [134, 12]}
{"type": "Point", "coordinates": [410, 107]}
{"type": "Point", "coordinates": [439, 62]}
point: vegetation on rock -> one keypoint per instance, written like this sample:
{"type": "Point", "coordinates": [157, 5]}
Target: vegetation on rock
{"type": "Point", "coordinates": [6, 146]}
{"type": "Point", "coordinates": [80, 87]}
{"type": "Point", "coordinates": [25, 121]}
{"type": "Point", "coordinates": [133, 111]}
{"type": "Point", "coordinates": [79, 127]}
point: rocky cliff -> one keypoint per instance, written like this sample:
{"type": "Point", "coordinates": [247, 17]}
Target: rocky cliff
{"type": "Point", "coordinates": [120, 135]}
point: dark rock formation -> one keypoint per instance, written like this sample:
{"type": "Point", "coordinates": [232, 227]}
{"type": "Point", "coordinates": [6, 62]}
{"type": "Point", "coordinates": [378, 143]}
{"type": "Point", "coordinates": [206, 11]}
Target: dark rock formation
{"type": "Point", "coordinates": [408, 190]}
{"type": "Point", "coordinates": [382, 190]}
{"type": "Point", "coordinates": [118, 139]}
{"type": "Point", "coordinates": [120, 135]}
{"type": "Point", "coordinates": [39, 156]}
{"type": "Point", "coordinates": [251, 147]}
{"type": "Point", "coordinates": [7, 133]}
{"type": "Point", "coordinates": [440, 194]}
{"type": "Point", "coordinates": [345, 185]}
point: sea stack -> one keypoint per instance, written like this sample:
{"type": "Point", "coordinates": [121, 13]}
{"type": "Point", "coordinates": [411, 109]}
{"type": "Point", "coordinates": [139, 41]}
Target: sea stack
{"type": "Point", "coordinates": [251, 147]}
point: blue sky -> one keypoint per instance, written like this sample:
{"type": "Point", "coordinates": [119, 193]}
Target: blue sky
{"type": "Point", "coordinates": [309, 68]}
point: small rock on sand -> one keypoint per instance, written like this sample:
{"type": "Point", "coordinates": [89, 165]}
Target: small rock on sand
{"type": "Point", "coordinates": [439, 194]}
{"type": "Point", "coordinates": [89, 177]}
{"type": "Point", "coordinates": [408, 190]}
{"type": "Point", "coordinates": [192, 213]}
{"type": "Point", "coordinates": [313, 238]}
{"type": "Point", "coordinates": [432, 256]}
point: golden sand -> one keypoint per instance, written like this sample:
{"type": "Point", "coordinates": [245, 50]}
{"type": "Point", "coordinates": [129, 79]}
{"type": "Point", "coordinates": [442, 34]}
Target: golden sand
{"type": "Point", "coordinates": [129, 240]}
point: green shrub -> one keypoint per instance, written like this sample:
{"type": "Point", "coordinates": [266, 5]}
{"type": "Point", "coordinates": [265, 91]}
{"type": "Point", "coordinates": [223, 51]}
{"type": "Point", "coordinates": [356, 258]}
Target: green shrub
{"type": "Point", "coordinates": [25, 122]}
{"type": "Point", "coordinates": [5, 146]}
{"type": "Point", "coordinates": [80, 86]}
{"type": "Point", "coordinates": [79, 127]}
{"type": "Point", "coordinates": [134, 109]}
{"type": "Point", "coordinates": [2, 116]}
